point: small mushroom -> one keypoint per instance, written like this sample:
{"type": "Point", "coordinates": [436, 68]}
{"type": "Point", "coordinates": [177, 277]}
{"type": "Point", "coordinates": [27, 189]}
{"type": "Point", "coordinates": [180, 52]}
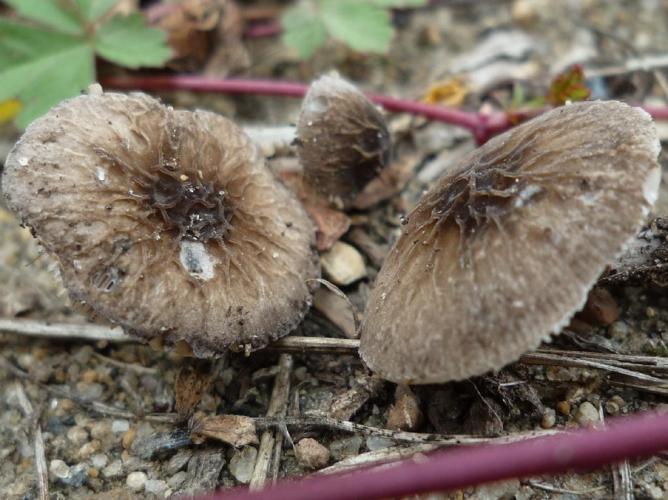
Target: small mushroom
{"type": "Point", "coordinates": [165, 222]}
{"type": "Point", "coordinates": [343, 141]}
{"type": "Point", "coordinates": [502, 251]}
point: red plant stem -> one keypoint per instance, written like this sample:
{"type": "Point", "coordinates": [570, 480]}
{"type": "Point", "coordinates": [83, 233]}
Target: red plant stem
{"type": "Point", "coordinates": [259, 30]}
{"type": "Point", "coordinates": [482, 126]}
{"type": "Point", "coordinates": [583, 450]}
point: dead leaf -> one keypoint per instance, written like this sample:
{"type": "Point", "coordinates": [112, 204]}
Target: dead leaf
{"type": "Point", "coordinates": [202, 34]}
{"type": "Point", "coordinates": [451, 92]}
{"type": "Point", "coordinates": [330, 223]}
{"type": "Point", "coordinates": [192, 381]}
{"type": "Point", "coordinates": [389, 182]}
{"type": "Point", "coordinates": [235, 430]}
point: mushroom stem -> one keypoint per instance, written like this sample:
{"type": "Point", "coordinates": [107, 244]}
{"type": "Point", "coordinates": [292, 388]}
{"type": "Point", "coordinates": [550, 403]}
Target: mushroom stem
{"type": "Point", "coordinates": [481, 125]}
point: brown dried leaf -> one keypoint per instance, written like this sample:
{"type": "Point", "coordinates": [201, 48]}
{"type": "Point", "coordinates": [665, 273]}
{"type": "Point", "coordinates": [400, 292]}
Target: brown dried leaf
{"type": "Point", "coordinates": [192, 381]}
{"type": "Point", "coordinates": [235, 430]}
{"type": "Point", "coordinates": [202, 33]}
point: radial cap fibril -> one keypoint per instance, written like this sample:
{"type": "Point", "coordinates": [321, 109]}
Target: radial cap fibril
{"type": "Point", "coordinates": [502, 251]}
{"type": "Point", "coordinates": [343, 141]}
{"type": "Point", "coordinates": [165, 222]}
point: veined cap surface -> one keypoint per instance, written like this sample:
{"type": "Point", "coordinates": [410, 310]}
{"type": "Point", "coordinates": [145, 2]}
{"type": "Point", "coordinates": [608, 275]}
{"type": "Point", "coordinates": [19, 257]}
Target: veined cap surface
{"type": "Point", "coordinates": [502, 250]}
{"type": "Point", "coordinates": [165, 222]}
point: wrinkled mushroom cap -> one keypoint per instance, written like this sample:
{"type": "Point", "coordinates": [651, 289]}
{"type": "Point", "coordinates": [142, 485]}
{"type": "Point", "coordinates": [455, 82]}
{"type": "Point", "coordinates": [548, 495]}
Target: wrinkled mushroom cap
{"type": "Point", "coordinates": [343, 140]}
{"type": "Point", "coordinates": [502, 251]}
{"type": "Point", "coordinates": [166, 222]}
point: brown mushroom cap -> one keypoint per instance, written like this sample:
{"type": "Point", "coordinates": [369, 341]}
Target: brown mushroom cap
{"type": "Point", "coordinates": [502, 251]}
{"type": "Point", "coordinates": [343, 140]}
{"type": "Point", "coordinates": [166, 222]}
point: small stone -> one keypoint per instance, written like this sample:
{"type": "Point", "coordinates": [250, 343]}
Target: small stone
{"type": "Point", "coordinates": [71, 476]}
{"type": "Point", "coordinates": [242, 464]}
{"type": "Point", "coordinates": [650, 312]}
{"type": "Point", "coordinates": [601, 308]}
{"type": "Point", "coordinates": [343, 264]}
{"type": "Point", "coordinates": [114, 469]}
{"type": "Point", "coordinates": [99, 460]}
{"type": "Point", "coordinates": [549, 418]}
{"type": "Point", "coordinates": [614, 405]}
{"type": "Point", "coordinates": [89, 448]}
{"type": "Point", "coordinates": [375, 443]}
{"type": "Point", "coordinates": [89, 376]}
{"type": "Point", "coordinates": [100, 429]}
{"type": "Point", "coordinates": [178, 461]}
{"type": "Point", "coordinates": [90, 392]}
{"type": "Point", "coordinates": [619, 330]}
{"type": "Point", "coordinates": [655, 492]}
{"type": "Point", "coordinates": [136, 480]}
{"type": "Point", "coordinates": [345, 447]}
{"type": "Point", "coordinates": [155, 486]}
{"type": "Point", "coordinates": [129, 437]}
{"type": "Point", "coordinates": [311, 454]}
{"type": "Point", "coordinates": [564, 407]}
{"type": "Point", "coordinates": [77, 435]}
{"type": "Point", "coordinates": [177, 480]}
{"type": "Point", "coordinates": [405, 414]}
{"type": "Point", "coordinates": [120, 426]}
{"type": "Point", "coordinates": [59, 469]}
{"type": "Point", "coordinates": [586, 414]}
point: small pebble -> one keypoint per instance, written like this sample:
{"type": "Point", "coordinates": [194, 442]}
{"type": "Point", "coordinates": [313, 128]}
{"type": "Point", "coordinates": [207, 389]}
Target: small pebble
{"type": "Point", "coordinates": [177, 480]}
{"type": "Point", "coordinates": [405, 414]}
{"type": "Point", "coordinates": [614, 405]}
{"type": "Point", "coordinates": [346, 447]}
{"type": "Point", "coordinates": [129, 437]}
{"type": "Point", "coordinates": [586, 414]}
{"type": "Point", "coordinates": [178, 461]}
{"type": "Point", "coordinates": [619, 330]}
{"type": "Point", "coordinates": [155, 486]}
{"type": "Point", "coordinates": [120, 426]}
{"type": "Point", "coordinates": [114, 469]}
{"type": "Point", "coordinates": [564, 407]}
{"type": "Point", "coordinates": [59, 469]}
{"type": "Point", "coordinates": [311, 454]}
{"type": "Point", "coordinates": [242, 464]}
{"type": "Point", "coordinates": [343, 264]}
{"type": "Point", "coordinates": [89, 448]}
{"type": "Point", "coordinates": [136, 480]}
{"type": "Point", "coordinates": [99, 460]}
{"type": "Point", "coordinates": [77, 435]}
{"type": "Point", "coordinates": [375, 443]}
{"type": "Point", "coordinates": [90, 392]}
{"type": "Point", "coordinates": [549, 418]}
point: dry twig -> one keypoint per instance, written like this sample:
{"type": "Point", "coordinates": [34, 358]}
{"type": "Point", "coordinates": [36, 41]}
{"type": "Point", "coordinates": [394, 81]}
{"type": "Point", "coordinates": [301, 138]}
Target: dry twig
{"type": "Point", "coordinates": [269, 441]}
{"type": "Point", "coordinates": [40, 457]}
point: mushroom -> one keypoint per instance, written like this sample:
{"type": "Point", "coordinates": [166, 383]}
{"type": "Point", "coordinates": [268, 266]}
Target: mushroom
{"type": "Point", "coordinates": [165, 222]}
{"type": "Point", "coordinates": [343, 142]}
{"type": "Point", "coordinates": [501, 252]}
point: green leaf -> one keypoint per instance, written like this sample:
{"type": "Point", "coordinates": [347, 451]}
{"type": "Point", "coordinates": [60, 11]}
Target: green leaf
{"type": "Point", "coordinates": [92, 10]}
{"type": "Point", "coordinates": [126, 40]}
{"type": "Point", "coordinates": [363, 26]}
{"type": "Point", "coordinates": [60, 15]}
{"type": "Point", "coordinates": [303, 31]}
{"type": "Point", "coordinates": [41, 67]}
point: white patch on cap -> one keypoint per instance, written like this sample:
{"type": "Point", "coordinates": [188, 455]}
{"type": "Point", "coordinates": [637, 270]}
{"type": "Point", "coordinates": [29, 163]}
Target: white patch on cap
{"type": "Point", "coordinates": [196, 260]}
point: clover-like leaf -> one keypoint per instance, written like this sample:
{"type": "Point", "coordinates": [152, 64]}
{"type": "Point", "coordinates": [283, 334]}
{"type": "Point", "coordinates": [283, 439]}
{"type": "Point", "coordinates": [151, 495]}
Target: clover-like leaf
{"type": "Point", "coordinates": [361, 25]}
{"type": "Point", "coordinates": [126, 40]}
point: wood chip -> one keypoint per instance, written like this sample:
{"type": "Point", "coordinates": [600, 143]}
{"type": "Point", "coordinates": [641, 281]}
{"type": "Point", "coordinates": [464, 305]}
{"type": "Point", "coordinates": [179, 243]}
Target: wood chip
{"type": "Point", "coordinates": [235, 430]}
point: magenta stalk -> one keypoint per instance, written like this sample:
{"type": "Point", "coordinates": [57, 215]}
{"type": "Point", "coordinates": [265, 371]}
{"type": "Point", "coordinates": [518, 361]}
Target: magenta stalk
{"type": "Point", "coordinates": [482, 126]}
{"type": "Point", "coordinates": [583, 450]}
